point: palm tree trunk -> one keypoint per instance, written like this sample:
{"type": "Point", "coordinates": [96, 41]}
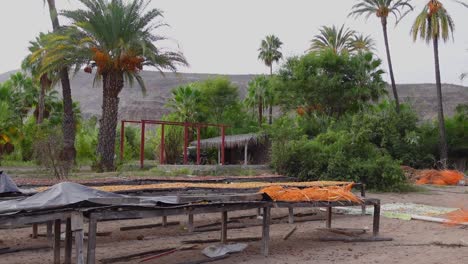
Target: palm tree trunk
{"type": "Point", "coordinates": [112, 85]}
{"type": "Point", "coordinates": [260, 110]}
{"type": "Point", "coordinates": [390, 67]}
{"type": "Point", "coordinates": [443, 149]}
{"type": "Point", "coordinates": [270, 109]}
{"type": "Point", "coordinates": [68, 125]}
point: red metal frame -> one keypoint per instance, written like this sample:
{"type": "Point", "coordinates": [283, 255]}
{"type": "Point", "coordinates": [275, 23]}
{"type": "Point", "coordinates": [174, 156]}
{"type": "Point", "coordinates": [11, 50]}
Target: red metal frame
{"type": "Point", "coordinates": [186, 126]}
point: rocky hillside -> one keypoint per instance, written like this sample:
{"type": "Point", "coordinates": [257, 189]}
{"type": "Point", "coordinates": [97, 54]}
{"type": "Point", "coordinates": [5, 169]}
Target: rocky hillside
{"type": "Point", "coordinates": [135, 106]}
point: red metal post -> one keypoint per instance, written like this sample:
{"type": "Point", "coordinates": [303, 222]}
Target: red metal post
{"type": "Point", "coordinates": [185, 143]}
{"type": "Point", "coordinates": [122, 139]}
{"type": "Point", "coordinates": [161, 154]}
{"type": "Point", "coordinates": [198, 145]}
{"type": "Point", "coordinates": [142, 145]}
{"type": "Point", "coordinates": [222, 144]}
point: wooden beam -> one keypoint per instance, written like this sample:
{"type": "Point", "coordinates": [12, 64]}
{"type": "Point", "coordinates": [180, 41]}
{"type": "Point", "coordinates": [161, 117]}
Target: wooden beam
{"type": "Point", "coordinates": [190, 226]}
{"type": "Point", "coordinates": [246, 155]}
{"type": "Point", "coordinates": [49, 232]}
{"type": "Point", "coordinates": [127, 228]}
{"type": "Point", "coordinates": [290, 233]}
{"type": "Point", "coordinates": [57, 233]}
{"type": "Point", "coordinates": [77, 229]}
{"type": "Point", "coordinates": [266, 231]}
{"type": "Point", "coordinates": [224, 226]}
{"type": "Point", "coordinates": [164, 221]}
{"type": "Point", "coordinates": [34, 231]}
{"type": "Point", "coordinates": [291, 215]}
{"type": "Point", "coordinates": [376, 221]}
{"type": "Point", "coordinates": [68, 242]}
{"type": "Point", "coordinates": [214, 240]}
{"type": "Point", "coordinates": [92, 228]}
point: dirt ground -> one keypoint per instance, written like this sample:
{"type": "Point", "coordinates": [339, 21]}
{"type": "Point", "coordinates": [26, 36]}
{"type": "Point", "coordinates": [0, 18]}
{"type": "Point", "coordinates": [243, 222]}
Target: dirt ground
{"type": "Point", "coordinates": [413, 240]}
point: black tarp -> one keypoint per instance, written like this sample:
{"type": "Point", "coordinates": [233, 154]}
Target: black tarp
{"type": "Point", "coordinates": [7, 185]}
{"type": "Point", "coordinates": [71, 195]}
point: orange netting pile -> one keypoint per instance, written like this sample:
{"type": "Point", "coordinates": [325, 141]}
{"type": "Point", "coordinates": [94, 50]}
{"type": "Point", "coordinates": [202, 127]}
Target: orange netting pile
{"type": "Point", "coordinates": [312, 194]}
{"type": "Point", "coordinates": [444, 177]}
{"type": "Point", "coordinates": [458, 217]}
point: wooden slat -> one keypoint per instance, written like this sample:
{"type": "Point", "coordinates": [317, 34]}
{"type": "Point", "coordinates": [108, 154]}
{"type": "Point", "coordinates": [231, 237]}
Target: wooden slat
{"type": "Point", "coordinates": [68, 242]}
{"type": "Point", "coordinates": [57, 233]}
{"type": "Point", "coordinates": [224, 227]}
{"type": "Point", "coordinates": [91, 255]}
{"type": "Point", "coordinates": [266, 231]}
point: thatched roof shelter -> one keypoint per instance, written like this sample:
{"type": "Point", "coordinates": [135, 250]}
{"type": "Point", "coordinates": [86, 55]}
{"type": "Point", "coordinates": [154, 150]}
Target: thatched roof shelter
{"type": "Point", "coordinates": [233, 141]}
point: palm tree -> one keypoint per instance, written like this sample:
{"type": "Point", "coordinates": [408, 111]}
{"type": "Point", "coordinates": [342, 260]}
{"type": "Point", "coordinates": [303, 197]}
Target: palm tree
{"type": "Point", "coordinates": [270, 53]}
{"type": "Point", "coordinates": [338, 40]}
{"type": "Point", "coordinates": [256, 94]}
{"type": "Point", "coordinates": [33, 64]}
{"type": "Point", "coordinates": [382, 9]}
{"type": "Point", "coordinates": [186, 102]}
{"type": "Point", "coordinates": [117, 38]}
{"type": "Point", "coordinates": [68, 125]}
{"type": "Point", "coordinates": [362, 43]}
{"type": "Point", "coordinates": [433, 24]}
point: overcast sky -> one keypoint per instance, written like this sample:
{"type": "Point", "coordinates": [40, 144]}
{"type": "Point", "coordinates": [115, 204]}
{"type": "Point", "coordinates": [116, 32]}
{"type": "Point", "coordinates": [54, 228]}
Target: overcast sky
{"type": "Point", "coordinates": [222, 36]}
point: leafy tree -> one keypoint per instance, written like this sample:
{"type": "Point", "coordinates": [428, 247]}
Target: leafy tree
{"type": "Point", "coordinates": [330, 83]}
{"type": "Point", "coordinates": [382, 9]}
{"type": "Point", "coordinates": [434, 23]}
{"type": "Point", "coordinates": [68, 125]}
{"type": "Point", "coordinates": [118, 39]}
{"type": "Point", "coordinates": [338, 40]}
{"type": "Point", "coordinates": [218, 96]}
{"type": "Point", "coordinates": [269, 52]}
{"type": "Point", "coordinates": [256, 95]}
{"type": "Point", "coordinates": [186, 102]}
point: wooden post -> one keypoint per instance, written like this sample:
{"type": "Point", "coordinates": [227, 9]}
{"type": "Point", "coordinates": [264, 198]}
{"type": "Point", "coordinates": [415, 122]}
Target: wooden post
{"type": "Point", "coordinates": [77, 229]}
{"type": "Point", "coordinates": [198, 145]}
{"type": "Point", "coordinates": [34, 231]}
{"type": "Point", "coordinates": [57, 241]}
{"type": "Point", "coordinates": [185, 143]}
{"type": "Point", "coordinates": [224, 220]}
{"type": "Point", "coordinates": [122, 139]}
{"type": "Point", "coordinates": [266, 231]}
{"type": "Point", "coordinates": [164, 221]}
{"type": "Point", "coordinates": [68, 242]}
{"type": "Point", "coordinates": [329, 217]}
{"type": "Point", "coordinates": [92, 229]}
{"type": "Point", "coordinates": [142, 145]}
{"type": "Point", "coordinates": [162, 146]}
{"type": "Point", "coordinates": [190, 223]}
{"type": "Point", "coordinates": [223, 132]}
{"type": "Point", "coordinates": [219, 156]}
{"type": "Point", "coordinates": [291, 215]}
{"type": "Point", "coordinates": [363, 194]}
{"type": "Point", "coordinates": [245, 154]}
{"type": "Point", "coordinates": [376, 223]}
{"type": "Point", "coordinates": [49, 232]}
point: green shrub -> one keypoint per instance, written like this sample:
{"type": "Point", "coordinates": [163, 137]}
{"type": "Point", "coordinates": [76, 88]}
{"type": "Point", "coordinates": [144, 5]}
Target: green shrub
{"type": "Point", "coordinates": [339, 156]}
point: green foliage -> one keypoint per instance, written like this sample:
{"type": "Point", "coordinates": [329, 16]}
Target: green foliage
{"type": "Point", "coordinates": [186, 103]}
{"type": "Point", "coordinates": [330, 83]}
{"type": "Point", "coordinates": [86, 141]}
{"type": "Point", "coordinates": [219, 95]}
{"type": "Point", "coordinates": [339, 156]}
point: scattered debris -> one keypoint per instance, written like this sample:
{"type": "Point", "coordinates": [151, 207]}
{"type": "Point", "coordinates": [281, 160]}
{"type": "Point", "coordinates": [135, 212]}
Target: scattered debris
{"type": "Point", "coordinates": [355, 239]}
{"type": "Point", "coordinates": [290, 233]}
{"type": "Point", "coordinates": [140, 255]}
{"type": "Point", "coordinates": [223, 249]}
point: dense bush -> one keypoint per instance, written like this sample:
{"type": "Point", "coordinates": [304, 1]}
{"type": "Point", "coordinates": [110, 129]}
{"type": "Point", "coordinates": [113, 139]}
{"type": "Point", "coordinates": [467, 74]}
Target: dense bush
{"type": "Point", "coordinates": [339, 156]}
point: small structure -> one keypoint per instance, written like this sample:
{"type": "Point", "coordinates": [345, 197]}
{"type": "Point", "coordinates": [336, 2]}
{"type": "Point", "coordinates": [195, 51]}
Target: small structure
{"type": "Point", "coordinates": [238, 148]}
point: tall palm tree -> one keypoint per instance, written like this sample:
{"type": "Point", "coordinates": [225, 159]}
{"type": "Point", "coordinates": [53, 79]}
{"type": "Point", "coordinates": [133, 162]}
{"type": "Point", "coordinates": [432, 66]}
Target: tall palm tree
{"type": "Point", "coordinates": [382, 9]}
{"type": "Point", "coordinates": [256, 94]}
{"type": "Point", "coordinates": [338, 40]}
{"type": "Point", "coordinates": [186, 102]}
{"type": "Point", "coordinates": [68, 125]}
{"type": "Point", "coordinates": [433, 24]}
{"type": "Point", "coordinates": [116, 37]}
{"type": "Point", "coordinates": [269, 52]}
{"type": "Point", "coordinates": [33, 64]}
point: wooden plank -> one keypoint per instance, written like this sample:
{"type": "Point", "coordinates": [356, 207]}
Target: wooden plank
{"type": "Point", "coordinates": [8, 250]}
{"type": "Point", "coordinates": [79, 246]}
{"type": "Point", "coordinates": [329, 217]}
{"type": "Point", "coordinates": [266, 231]}
{"type": "Point", "coordinates": [345, 231]}
{"type": "Point", "coordinates": [68, 242]}
{"type": "Point", "coordinates": [207, 260]}
{"type": "Point", "coordinates": [133, 256]}
{"type": "Point", "coordinates": [224, 227]}
{"type": "Point", "coordinates": [291, 215]}
{"type": "Point", "coordinates": [215, 224]}
{"type": "Point", "coordinates": [127, 228]}
{"type": "Point", "coordinates": [233, 240]}
{"type": "Point", "coordinates": [49, 232]}
{"type": "Point", "coordinates": [57, 233]}
{"type": "Point", "coordinates": [164, 221]}
{"type": "Point", "coordinates": [356, 239]}
{"type": "Point", "coordinates": [92, 228]}
{"type": "Point", "coordinates": [290, 233]}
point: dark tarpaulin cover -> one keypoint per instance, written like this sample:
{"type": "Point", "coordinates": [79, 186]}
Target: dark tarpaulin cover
{"type": "Point", "coordinates": [7, 185]}
{"type": "Point", "coordinates": [67, 194]}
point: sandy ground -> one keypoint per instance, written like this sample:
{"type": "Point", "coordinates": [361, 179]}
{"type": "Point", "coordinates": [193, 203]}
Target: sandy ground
{"type": "Point", "coordinates": [412, 239]}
